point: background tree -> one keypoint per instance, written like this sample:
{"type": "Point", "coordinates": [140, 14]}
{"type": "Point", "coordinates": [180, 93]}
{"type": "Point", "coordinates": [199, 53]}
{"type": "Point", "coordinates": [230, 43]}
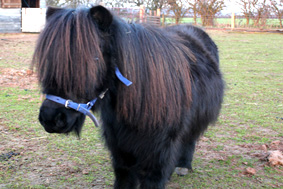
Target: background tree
{"type": "Point", "coordinates": [155, 4]}
{"type": "Point", "coordinates": [261, 13]}
{"type": "Point", "coordinates": [71, 3]}
{"type": "Point", "coordinates": [247, 9]}
{"type": "Point", "coordinates": [207, 9]}
{"type": "Point", "coordinates": [257, 10]}
{"type": "Point", "coordinates": [277, 9]}
{"type": "Point", "coordinates": [149, 4]}
{"type": "Point", "coordinates": [74, 3]}
{"type": "Point", "coordinates": [53, 3]}
{"type": "Point", "coordinates": [193, 6]}
{"type": "Point", "coordinates": [179, 8]}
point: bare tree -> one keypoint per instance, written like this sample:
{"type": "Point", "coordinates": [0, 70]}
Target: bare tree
{"type": "Point", "coordinates": [116, 3]}
{"type": "Point", "coordinates": [179, 8]}
{"type": "Point", "coordinates": [194, 7]}
{"type": "Point", "coordinates": [154, 4]}
{"type": "Point", "coordinates": [262, 12]}
{"type": "Point", "coordinates": [149, 4]}
{"type": "Point", "coordinates": [247, 9]}
{"type": "Point", "coordinates": [71, 3]}
{"type": "Point", "coordinates": [53, 3]}
{"type": "Point", "coordinates": [257, 10]}
{"type": "Point", "coordinates": [208, 9]}
{"type": "Point", "coordinates": [277, 9]}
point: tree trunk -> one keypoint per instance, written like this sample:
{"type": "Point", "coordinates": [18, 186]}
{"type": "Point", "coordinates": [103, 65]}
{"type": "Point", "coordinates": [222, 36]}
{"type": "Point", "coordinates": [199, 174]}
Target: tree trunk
{"type": "Point", "coordinates": [210, 21]}
{"type": "Point", "coordinates": [195, 18]}
{"type": "Point", "coordinates": [177, 19]}
{"type": "Point", "coordinates": [247, 20]}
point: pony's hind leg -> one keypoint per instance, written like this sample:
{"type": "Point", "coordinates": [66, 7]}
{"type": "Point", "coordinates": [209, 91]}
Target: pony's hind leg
{"type": "Point", "coordinates": [184, 164]}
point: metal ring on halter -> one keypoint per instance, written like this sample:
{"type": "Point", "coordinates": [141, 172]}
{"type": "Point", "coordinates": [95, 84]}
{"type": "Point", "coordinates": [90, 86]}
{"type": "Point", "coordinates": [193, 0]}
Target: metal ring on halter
{"type": "Point", "coordinates": [78, 107]}
{"type": "Point", "coordinates": [67, 103]}
{"type": "Point", "coordinates": [88, 104]}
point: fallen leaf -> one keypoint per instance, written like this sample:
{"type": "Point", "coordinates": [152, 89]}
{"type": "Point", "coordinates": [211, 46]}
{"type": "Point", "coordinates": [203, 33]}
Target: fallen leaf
{"type": "Point", "coordinates": [85, 172]}
{"type": "Point", "coordinates": [276, 142]}
{"type": "Point", "coordinates": [204, 139]}
{"type": "Point", "coordinates": [275, 158]}
{"type": "Point", "coordinates": [29, 72]}
{"type": "Point", "coordinates": [264, 148]}
{"type": "Point", "coordinates": [250, 171]}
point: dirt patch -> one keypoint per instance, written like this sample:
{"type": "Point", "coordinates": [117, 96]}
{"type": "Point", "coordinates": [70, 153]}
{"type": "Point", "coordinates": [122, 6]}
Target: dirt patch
{"type": "Point", "coordinates": [24, 79]}
{"type": "Point", "coordinates": [15, 60]}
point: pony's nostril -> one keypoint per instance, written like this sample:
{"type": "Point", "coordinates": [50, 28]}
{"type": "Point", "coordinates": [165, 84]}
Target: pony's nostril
{"type": "Point", "coordinates": [58, 116]}
{"type": "Point", "coordinates": [60, 120]}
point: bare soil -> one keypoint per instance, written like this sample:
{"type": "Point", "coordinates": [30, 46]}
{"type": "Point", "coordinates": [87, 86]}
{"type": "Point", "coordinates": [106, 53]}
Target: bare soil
{"type": "Point", "coordinates": [15, 59]}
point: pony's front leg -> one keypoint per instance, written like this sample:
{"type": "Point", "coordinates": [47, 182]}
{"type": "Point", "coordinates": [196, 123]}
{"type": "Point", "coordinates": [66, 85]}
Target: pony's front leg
{"type": "Point", "coordinates": [125, 174]}
{"type": "Point", "coordinates": [125, 179]}
{"type": "Point", "coordinates": [156, 179]}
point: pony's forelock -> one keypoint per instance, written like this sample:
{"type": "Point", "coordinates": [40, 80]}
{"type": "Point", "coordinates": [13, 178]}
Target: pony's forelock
{"type": "Point", "coordinates": [68, 56]}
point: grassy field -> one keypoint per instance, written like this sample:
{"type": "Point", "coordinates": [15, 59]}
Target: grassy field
{"type": "Point", "coordinates": [250, 121]}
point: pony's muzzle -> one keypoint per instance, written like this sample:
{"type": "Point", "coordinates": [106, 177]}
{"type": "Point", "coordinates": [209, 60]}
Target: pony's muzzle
{"type": "Point", "coordinates": [52, 123]}
{"type": "Point", "coordinates": [57, 120]}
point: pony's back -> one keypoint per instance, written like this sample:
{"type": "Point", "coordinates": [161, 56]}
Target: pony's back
{"type": "Point", "coordinates": [206, 77]}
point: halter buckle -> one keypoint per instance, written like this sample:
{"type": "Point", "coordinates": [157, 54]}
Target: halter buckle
{"type": "Point", "coordinates": [67, 103]}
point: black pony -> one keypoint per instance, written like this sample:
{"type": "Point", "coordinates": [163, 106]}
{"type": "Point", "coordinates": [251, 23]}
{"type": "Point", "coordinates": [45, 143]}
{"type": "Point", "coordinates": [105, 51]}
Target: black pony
{"type": "Point", "coordinates": [150, 127]}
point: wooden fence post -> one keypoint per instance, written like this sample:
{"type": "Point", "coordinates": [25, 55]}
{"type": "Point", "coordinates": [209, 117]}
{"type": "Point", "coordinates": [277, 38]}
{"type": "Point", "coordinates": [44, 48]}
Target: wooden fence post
{"type": "Point", "coordinates": [141, 14]}
{"type": "Point", "coordinates": [158, 16]}
{"type": "Point", "coordinates": [233, 20]}
{"type": "Point", "coordinates": [158, 12]}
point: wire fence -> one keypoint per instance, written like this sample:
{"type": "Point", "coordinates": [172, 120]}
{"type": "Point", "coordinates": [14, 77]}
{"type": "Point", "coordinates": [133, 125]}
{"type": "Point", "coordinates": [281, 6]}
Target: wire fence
{"type": "Point", "coordinates": [140, 15]}
{"type": "Point", "coordinates": [128, 14]}
{"type": "Point", "coordinates": [227, 22]}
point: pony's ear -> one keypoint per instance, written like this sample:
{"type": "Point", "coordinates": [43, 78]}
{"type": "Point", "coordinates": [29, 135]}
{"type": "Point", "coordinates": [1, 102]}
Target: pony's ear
{"type": "Point", "coordinates": [102, 16]}
{"type": "Point", "coordinates": [51, 10]}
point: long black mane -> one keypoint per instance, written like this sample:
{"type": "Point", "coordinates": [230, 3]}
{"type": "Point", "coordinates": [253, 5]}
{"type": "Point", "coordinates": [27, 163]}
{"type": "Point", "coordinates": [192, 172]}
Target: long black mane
{"type": "Point", "coordinates": [70, 58]}
{"type": "Point", "coordinates": [156, 61]}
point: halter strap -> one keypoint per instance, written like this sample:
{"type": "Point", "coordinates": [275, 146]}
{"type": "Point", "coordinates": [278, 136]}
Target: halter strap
{"type": "Point", "coordinates": [122, 78]}
{"type": "Point", "coordinates": [85, 108]}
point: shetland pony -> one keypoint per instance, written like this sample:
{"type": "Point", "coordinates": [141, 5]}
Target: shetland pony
{"type": "Point", "coordinates": [150, 127]}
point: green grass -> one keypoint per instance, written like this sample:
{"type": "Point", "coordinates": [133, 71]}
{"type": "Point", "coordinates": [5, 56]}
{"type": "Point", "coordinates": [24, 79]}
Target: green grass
{"type": "Point", "coordinates": [252, 65]}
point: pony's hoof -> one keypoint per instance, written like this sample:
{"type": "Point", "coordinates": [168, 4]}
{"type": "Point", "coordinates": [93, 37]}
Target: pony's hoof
{"type": "Point", "coordinates": [181, 171]}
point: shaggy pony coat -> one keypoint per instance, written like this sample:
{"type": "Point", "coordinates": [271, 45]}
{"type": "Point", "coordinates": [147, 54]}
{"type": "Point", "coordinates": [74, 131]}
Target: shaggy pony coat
{"type": "Point", "coordinates": [150, 127]}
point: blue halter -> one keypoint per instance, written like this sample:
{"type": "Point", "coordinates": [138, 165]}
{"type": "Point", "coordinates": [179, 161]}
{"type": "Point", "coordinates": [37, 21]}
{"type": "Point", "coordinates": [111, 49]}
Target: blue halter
{"type": "Point", "coordinates": [85, 108]}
